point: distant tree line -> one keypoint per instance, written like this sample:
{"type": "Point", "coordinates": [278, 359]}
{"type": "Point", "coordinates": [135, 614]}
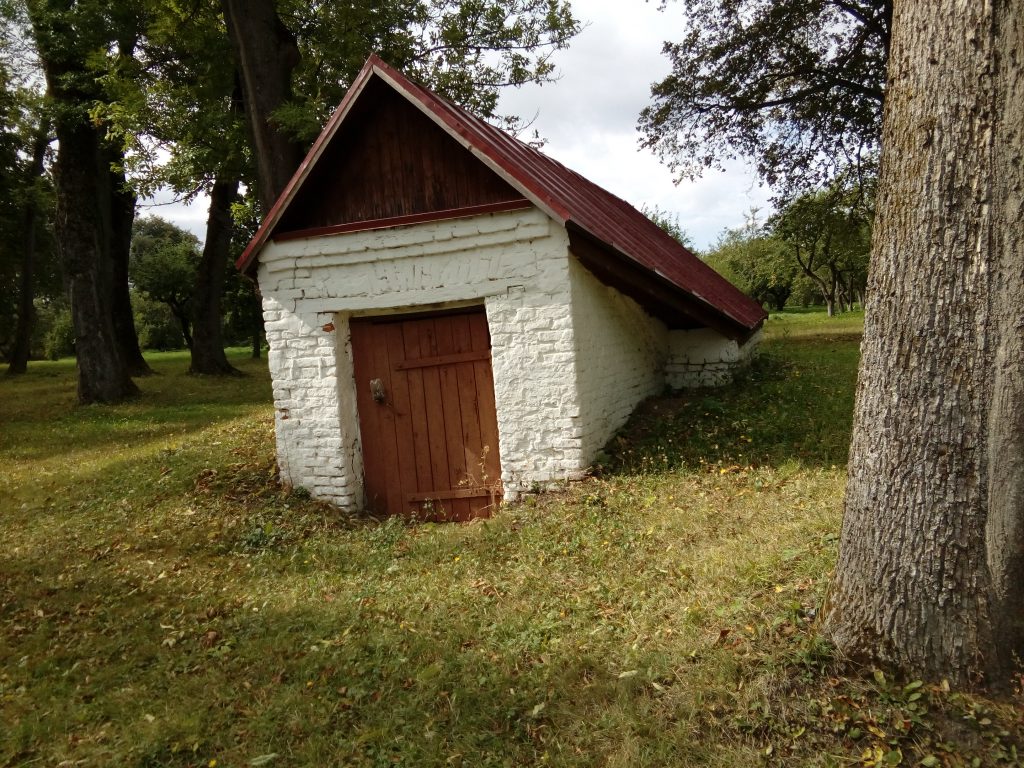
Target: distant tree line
{"type": "Point", "coordinates": [813, 251]}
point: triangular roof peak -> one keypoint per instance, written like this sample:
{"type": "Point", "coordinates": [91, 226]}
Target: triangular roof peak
{"type": "Point", "coordinates": [614, 239]}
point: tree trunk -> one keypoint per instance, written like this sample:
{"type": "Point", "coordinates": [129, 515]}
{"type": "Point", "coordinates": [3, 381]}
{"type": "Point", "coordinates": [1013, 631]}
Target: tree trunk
{"type": "Point", "coordinates": [102, 374]}
{"type": "Point", "coordinates": [267, 54]}
{"type": "Point", "coordinates": [257, 321]}
{"type": "Point", "coordinates": [26, 298]}
{"type": "Point", "coordinates": [181, 315]}
{"type": "Point", "coordinates": [121, 216]}
{"type": "Point", "coordinates": [208, 341]}
{"type": "Point", "coordinates": [82, 221]}
{"type": "Point", "coordinates": [930, 575]}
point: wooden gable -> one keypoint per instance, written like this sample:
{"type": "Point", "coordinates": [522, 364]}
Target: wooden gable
{"type": "Point", "coordinates": [389, 160]}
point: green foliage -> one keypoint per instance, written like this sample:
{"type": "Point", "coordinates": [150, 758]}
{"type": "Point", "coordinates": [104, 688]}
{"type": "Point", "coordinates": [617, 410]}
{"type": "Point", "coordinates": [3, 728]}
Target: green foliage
{"type": "Point", "coordinates": [178, 95]}
{"type": "Point", "coordinates": [176, 102]}
{"type": "Point", "coordinates": [162, 265]}
{"type": "Point", "coordinates": [155, 323]}
{"type": "Point", "coordinates": [241, 303]}
{"type": "Point", "coordinates": [59, 338]}
{"type": "Point", "coordinates": [757, 263]}
{"type": "Point", "coordinates": [828, 234]}
{"type": "Point", "coordinates": [796, 86]}
{"type": "Point", "coordinates": [22, 187]}
{"type": "Point", "coordinates": [466, 50]}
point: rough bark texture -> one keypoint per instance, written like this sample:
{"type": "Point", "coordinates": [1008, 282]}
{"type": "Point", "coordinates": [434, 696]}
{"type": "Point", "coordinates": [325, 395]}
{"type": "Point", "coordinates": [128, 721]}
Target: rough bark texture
{"type": "Point", "coordinates": [102, 374]}
{"type": "Point", "coordinates": [83, 210]}
{"type": "Point", "coordinates": [121, 201]}
{"type": "Point", "coordinates": [929, 573]}
{"type": "Point", "coordinates": [267, 54]}
{"type": "Point", "coordinates": [26, 297]}
{"type": "Point", "coordinates": [208, 339]}
{"type": "Point", "coordinates": [1004, 530]}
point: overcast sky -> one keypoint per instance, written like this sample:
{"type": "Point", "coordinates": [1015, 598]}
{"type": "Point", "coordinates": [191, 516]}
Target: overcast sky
{"type": "Point", "coordinates": [589, 118]}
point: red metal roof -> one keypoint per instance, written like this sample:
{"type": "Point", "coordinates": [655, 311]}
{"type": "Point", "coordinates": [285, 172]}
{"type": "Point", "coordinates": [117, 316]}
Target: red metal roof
{"type": "Point", "coordinates": [561, 192]}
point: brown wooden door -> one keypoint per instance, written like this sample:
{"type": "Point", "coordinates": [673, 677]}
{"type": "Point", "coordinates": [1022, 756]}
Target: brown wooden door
{"type": "Point", "coordinates": [429, 429]}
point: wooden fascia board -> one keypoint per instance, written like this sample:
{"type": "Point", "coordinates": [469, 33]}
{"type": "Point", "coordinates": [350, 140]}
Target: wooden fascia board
{"type": "Point", "coordinates": [440, 117]}
{"type": "Point", "coordinates": [401, 221]}
{"type": "Point", "coordinates": [649, 287]}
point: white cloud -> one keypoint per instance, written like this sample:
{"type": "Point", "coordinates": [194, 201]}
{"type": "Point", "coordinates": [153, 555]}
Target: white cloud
{"type": "Point", "coordinates": [589, 117]}
{"type": "Point", "coordinates": [191, 216]}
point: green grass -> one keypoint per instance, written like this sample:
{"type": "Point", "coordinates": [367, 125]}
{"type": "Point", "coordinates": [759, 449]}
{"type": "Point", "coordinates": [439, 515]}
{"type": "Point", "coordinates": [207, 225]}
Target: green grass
{"type": "Point", "coordinates": [163, 603]}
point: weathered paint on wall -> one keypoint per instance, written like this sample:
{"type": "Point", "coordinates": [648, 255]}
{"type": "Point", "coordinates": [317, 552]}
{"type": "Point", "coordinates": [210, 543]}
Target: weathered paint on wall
{"type": "Point", "coordinates": [571, 357]}
{"type": "Point", "coordinates": [703, 358]}
{"type": "Point", "coordinates": [620, 358]}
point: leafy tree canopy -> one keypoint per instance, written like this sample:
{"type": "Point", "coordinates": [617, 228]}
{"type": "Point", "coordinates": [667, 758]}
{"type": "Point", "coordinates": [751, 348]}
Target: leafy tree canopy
{"type": "Point", "coordinates": [757, 263]}
{"type": "Point", "coordinates": [463, 49]}
{"type": "Point", "coordinates": [795, 86]}
{"type": "Point", "coordinates": [163, 265]}
{"type": "Point", "coordinates": [828, 233]}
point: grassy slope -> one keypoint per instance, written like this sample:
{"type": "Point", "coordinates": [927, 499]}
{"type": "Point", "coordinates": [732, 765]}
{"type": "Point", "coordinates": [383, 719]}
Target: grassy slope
{"type": "Point", "coordinates": [162, 603]}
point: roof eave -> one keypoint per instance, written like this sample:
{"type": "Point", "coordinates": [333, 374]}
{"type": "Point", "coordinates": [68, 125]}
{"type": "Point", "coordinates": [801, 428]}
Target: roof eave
{"type": "Point", "coordinates": [600, 256]}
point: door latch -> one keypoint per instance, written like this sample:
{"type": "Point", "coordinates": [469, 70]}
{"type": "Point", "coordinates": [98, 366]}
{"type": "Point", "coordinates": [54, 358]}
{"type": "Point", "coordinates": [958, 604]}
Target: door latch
{"type": "Point", "coordinates": [377, 390]}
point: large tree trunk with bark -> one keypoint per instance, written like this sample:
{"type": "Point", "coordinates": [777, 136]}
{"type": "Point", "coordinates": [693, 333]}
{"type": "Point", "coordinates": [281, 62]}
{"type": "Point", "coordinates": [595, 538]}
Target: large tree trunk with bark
{"type": "Point", "coordinates": [930, 575]}
{"type": "Point", "coordinates": [121, 201]}
{"type": "Point", "coordinates": [102, 374]}
{"type": "Point", "coordinates": [208, 339]}
{"type": "Point", "coordinates": [267, 55]}
{"type": "Point", "coordinates": [26, 298]}
{"type": "Point", "coordinates": [82, 185]}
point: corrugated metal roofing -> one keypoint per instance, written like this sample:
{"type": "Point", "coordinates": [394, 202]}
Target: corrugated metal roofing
{"type": "Point", "coordinates": [561, 192]}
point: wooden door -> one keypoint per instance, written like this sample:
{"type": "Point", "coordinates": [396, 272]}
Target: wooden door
{"type": "Point", "coordinates": [429, 428]}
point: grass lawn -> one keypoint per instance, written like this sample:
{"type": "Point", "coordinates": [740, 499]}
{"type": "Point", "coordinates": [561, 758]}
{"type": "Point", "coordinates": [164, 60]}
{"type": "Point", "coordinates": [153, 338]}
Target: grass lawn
{"type": "Point", "coordinates": [163, 603]}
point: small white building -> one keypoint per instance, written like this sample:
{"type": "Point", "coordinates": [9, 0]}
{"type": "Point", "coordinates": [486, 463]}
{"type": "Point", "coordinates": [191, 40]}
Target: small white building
{"type": "Point", "coordinates": [454, 317]}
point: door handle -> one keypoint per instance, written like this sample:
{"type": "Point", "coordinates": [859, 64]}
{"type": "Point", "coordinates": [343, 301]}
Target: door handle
{"type": "Point", "coordinates": [377, 390]}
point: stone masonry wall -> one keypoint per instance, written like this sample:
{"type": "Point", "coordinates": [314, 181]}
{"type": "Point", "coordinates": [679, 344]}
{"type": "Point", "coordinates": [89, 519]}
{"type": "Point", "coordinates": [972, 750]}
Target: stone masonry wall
{"type": "Point", "coordinates": [515, 263]}
{"type": "Point", "coordinates": [620, 358]}
{"type": "Point", "coordinates": [571, 357]}
{"type": "Point", "coordinates": [705, 358]}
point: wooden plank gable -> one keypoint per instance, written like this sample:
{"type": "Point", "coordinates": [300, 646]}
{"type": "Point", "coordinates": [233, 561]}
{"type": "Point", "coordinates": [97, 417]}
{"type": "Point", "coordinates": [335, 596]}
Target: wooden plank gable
{"type": "Point", "coordinates": [388, 160]}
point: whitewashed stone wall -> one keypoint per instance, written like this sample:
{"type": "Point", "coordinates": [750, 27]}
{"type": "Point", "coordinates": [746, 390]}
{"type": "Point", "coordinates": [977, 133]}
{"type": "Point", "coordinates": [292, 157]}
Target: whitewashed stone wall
{"type": "Point", "coordinates": [515, 263]}
{"type": "Point", "coordinates": [705, 358]}
{"type": "Point", "coordinates": [620, 358]}
{"type": "Point", "coordinates": [571, 357]}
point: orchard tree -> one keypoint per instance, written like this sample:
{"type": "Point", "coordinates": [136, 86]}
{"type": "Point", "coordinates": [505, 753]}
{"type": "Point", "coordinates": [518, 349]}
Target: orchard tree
{"type": "Point", "coordinates": [930, 575]}
{"type": "Point", "coordinates": [827, 234]}
{"type": "Point", "coordinates": [795, 86]}
{"type": "Point", "coordinates": [163, 265]}
{"type": "Point", "coordinates": [757, 263]}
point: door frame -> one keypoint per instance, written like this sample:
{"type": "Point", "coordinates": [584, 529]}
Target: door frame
{"type": "Point", "coordinates": [448, 498]}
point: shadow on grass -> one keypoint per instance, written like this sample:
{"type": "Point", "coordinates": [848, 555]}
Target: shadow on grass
{"type": "Point", "coordinates": [793, 405]}
{"type": "Point", "coordinates": [178, 662]}
{"type": "Point", "coordinates": [41, 418]}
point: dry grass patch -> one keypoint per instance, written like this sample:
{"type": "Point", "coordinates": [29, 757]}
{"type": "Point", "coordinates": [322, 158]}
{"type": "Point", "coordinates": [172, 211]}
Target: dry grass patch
{"type": "Point", "coordinates": [162, 603]}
